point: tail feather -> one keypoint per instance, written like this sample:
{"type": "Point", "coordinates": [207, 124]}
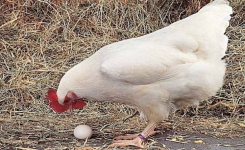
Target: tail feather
{"type": "Point", "coordinates": [210, 24]}
{"type": "Point", "coordinates": [219, 11]}
{"type": "Point", "coordinates": [217, 15]}
{"type": "Point", "coordinates": [203, 32]}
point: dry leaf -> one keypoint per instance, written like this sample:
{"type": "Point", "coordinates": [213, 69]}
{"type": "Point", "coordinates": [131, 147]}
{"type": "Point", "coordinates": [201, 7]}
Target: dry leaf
{"type": "Point", "coordinates": [199, 142]}
{"type": "Point", "coordinates": [241, 124]}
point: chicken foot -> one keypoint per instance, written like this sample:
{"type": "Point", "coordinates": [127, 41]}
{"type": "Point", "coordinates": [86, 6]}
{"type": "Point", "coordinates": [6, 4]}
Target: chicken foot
{"type": "Point", "coordinates": [132, 136]}
{"type": "Point", "coordinates": [135, 139]}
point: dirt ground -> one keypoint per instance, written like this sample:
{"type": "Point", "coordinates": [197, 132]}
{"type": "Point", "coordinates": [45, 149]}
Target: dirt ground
{"type": "Point", "coordinates": [27, 131]}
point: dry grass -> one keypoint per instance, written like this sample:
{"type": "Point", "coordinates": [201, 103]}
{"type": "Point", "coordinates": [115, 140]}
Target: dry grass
{"type": "Point", "coordinates": [41, 40]}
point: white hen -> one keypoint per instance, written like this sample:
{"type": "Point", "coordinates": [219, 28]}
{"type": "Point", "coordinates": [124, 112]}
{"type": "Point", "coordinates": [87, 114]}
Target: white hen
{"type": "Point", "coordinates": [175, 66]}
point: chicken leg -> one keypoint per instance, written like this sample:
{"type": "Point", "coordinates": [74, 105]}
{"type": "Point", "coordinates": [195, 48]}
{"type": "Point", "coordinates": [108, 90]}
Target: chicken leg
{"type": "Point", "coordinates": [134, 139]}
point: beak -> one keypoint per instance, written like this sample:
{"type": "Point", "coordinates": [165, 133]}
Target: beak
{"type": "Point", "coordinates": [69, 110]}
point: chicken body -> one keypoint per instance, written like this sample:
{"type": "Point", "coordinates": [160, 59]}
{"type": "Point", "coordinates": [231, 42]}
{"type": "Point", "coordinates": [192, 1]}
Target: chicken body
{"type": "Point", "coordinates": [173, 67]}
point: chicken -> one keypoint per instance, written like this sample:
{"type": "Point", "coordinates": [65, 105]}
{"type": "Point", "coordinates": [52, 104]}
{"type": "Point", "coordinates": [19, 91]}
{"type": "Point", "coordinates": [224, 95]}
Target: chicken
{"type": "Point", "coordinates": [173, 67]}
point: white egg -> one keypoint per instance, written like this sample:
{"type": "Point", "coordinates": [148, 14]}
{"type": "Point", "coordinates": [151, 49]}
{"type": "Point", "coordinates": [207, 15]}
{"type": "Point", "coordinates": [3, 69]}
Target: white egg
{"type": "Point", "coordinates": [82, 132]}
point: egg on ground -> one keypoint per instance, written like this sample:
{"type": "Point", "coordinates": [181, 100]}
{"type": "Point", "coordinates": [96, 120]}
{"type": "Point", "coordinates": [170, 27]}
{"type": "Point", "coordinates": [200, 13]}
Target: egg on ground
{"type": "Point", "coordinates": [82, 132]}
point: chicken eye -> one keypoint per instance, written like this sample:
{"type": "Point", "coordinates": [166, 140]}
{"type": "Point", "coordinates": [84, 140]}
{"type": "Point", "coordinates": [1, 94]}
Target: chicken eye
{"type": "Point", "coordinates": [66, 101]}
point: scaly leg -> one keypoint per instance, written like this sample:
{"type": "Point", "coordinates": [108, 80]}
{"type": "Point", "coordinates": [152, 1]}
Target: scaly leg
{"type": "Point", "coordinates": [137, 140]}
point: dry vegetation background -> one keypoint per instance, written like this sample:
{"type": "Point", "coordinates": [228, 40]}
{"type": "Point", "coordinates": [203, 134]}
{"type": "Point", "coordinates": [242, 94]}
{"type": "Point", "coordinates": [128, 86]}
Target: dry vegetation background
{"type": "Point", "coordinates": [40, 40]}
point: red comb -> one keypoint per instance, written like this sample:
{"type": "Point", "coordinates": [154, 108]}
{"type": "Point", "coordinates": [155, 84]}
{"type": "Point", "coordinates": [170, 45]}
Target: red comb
{"type": "Point", "coordinates": [53, 101]}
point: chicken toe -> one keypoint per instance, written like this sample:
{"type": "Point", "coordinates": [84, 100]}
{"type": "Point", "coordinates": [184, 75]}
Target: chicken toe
{"type": "Point", "coordinates": [126, 137]}
{"type": "Point", "coordinates": [122, 143]}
